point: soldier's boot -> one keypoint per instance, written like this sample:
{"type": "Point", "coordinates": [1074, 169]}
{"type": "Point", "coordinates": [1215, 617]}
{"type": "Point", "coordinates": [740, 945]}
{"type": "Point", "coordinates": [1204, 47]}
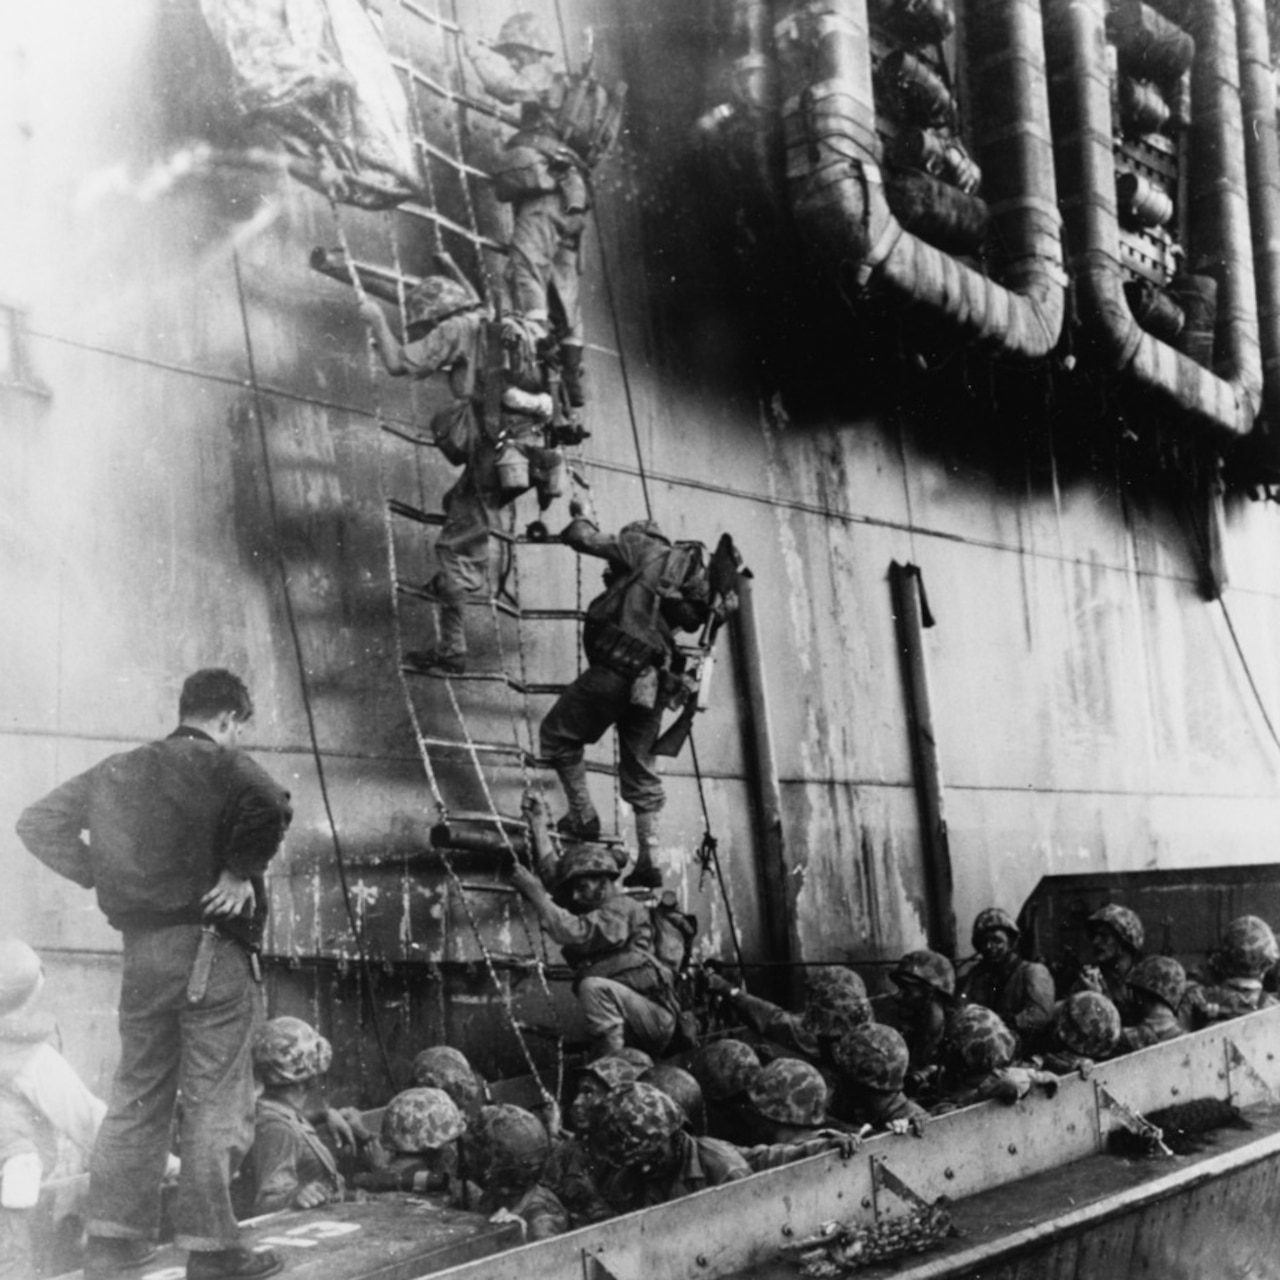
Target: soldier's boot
{"type": "Point", "coordinates": [582, 822]}
{"type": "Point", "coordinates": [572, 432]}
{"type": "Point", "coordinates": [645, 874]}
{"type": "Point", "coordinates": [449, 657]}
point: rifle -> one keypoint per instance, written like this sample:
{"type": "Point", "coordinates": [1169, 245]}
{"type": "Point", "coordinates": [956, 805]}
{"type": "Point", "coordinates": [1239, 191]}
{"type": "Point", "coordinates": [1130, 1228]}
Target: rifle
{"type": "Point", "coordinates": [723, 572]}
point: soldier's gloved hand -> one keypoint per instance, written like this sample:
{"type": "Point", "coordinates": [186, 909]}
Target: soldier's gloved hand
{"type": "Point", "coordinates": [717, 985]}
{"type": "Point", "coordinates": [532, 805]}
{"type": "Point", "coordinates": [1091, 980]}
{"type": "Point", "coordinates": [1085, 1067]}
{"type": "Point", "coordinates": [311, 1196]}
{"type": "Point", "coordinates": [370, 312]}
{"type": "Point", "coordinates": [900, 1127]}
{"type": "Point", "coordinates": [505, 1215]}
{"type": "Point", "coordinates": [20, 1181]}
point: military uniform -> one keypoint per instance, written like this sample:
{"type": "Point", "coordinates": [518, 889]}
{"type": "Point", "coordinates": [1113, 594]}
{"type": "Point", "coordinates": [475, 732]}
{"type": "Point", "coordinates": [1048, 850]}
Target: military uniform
{"type": "Point", "coordinates": [287, 1155]}
{"type": "Point", "coordinates": [699, 1163]}
{"type": "Point", "coordinates": [572, 1174]}
{"type": "Point", "coordinates": [1020, 991]}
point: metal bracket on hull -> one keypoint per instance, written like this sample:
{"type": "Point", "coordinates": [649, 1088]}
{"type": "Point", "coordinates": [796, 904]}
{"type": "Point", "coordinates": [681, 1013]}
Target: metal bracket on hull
{"type": "Point", "coordinates": [884, 1179]}
{"type": "Point", "coordinates": [1130, 1119]}
{"type": "Point", "coordinates": [1236, 1061]}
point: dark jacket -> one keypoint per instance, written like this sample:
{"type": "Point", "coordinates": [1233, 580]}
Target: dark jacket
{"type": "Point", "coordinates": [164, 821]}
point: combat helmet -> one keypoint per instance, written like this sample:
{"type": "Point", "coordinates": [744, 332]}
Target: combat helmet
{"type": "Point", "coordinates": [1087, 1024]}
{"type": "Point", "coordinates": [637, 1122]}
{"type": "Point", "coordinates": [290, 1051]}
{"type": "Point", "coordinates": [930, 968]}
{"type": "Point", "coordinates": [611, 1070]}
{"type": "Point", "coordinates": [443, 1067]}
{"type": "Point", "coordinates": [421, 1120]}
{"type": "Point", "coordinates": [1123, 923]}
{"type": "Point", "coordinates": [835, 1001]}
{"type": "Point", "coordinates": [980, 1041]}
{"type": "Point", "coordinates": [433, 300]}
{"type": "Point", "coordinates": [682, 1088]}
{"type": "Point", "coordinates": [636, 1057]}
{"type": "Point", "coordinates": [21, 974]}
{"type": "Point", "coordinates": [875, 1057]}
{"type": "Point", "coordinates": [725, 1068]}
{"type": "Point", "coordinates": [988, 921]}
{"type": "Point", "coordinates": [587, 860]}
{"type": "Point", "coordinates": [509, 1140]}
{"type": "Point", "coordinates": [789, 1091]}
{"type": "Point", "coordinates": [1162, 977]}
{"type": "Point", "coordinates": [522, 31]}
{"type": "Point", "coordinates": [1248, 948]}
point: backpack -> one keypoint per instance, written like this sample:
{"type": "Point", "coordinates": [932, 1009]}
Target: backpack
{"type": "Point", "coordinates": [673, 934]}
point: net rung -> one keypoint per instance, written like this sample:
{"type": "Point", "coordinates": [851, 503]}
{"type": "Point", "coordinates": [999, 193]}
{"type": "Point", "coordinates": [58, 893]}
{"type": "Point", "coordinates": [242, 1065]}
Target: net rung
{"type": "Point", "coordinates": [444, 91]}
{"type": "Point", "coordinates": [486, 817]}
{"type": "Point", "coordinates": [555, 689]}
{"type": "Point", "coordinates": [416, 210]}
{"type": "Point", "coordinates": [485, 748]}
{"type": "Point", "coordinates": [436, 518]}
{"type": "Point", "coordinates": [471, 602]}
{"type": "Point", "coordinates": [490, 677]}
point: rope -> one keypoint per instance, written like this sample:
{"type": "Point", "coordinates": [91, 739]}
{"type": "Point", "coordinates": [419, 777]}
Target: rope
{"type": "Point", "coordinates": [304, 687]}
{"type": "Point", "coordinates": [709, 852]}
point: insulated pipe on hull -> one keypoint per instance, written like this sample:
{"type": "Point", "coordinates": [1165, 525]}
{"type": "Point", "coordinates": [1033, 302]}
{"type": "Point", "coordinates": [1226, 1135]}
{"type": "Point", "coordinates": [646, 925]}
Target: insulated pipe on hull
{"type": "Point", "coordinates": [837, 193]}
{"type": "Point", "coordinates": [1225, 402]}
{"type": "Point", "coordinates": [1262, 156]}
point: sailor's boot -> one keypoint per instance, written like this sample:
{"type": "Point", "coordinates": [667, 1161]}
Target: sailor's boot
{"type": "Point", "coordinates": [582, 822]}
{"type": "Point", "coordinates": [645, 874]}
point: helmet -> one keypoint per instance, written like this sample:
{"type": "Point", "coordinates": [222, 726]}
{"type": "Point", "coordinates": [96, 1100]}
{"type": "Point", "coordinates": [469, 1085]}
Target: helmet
{"type": "Point", "coordinates": [435, 299]}
{"type": "Point", "coordinates": [421, 1120]}
{"type": "Point", "coordinates": [21, 974]}
{"type": "Point", "coordinates": [443, 1067]}
{"type": "Point", "coordinates": [725, 1068]}
{"type": "Point", "coordinates": [649, 528]}
{"type": "Point", "coordinates": [681, 1088]}
{"type": "Point", "coordinates": [636, 1057]}
{"type": "Point", "coordinates": [791, 1092]}
{"type": "Point", "coordinates": [875, 1057]}
{"type": "Point", "coordinates": [980, 1040]}
{"type": "Point", "coordinates": [509, 1138]}
{"type": "Point", "coordinates": [1248, 947]}
{"type": "Point", "coordinates": [588, 860]}
{"type": "Point", "coordinates": [1123, 923]}
{"type": "Point", "coordinates": [636, 1123]}
{"type": "Point", "coordinates": [612, 1070]}
{"type": "Point", "coordinates": [522, 31]}
{"type": "Point", "coordinates": [290, 1051]}
{"type": "Point", "coordinates": [836, 1001]}
{"type": "Point", "coordinates": [1162, 977]}
{"type": "Point", "coordinates": [1088, 1024]}
{"type": "Point", "coordinates": [929, 967]}
{"type": "Point", "coordinates": [990, 919]}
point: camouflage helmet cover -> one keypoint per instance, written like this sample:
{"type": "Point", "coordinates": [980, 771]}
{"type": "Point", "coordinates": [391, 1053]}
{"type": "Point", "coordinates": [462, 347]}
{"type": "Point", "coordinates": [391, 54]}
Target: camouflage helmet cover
{"type": "Point", "coordinates": [1123, 923]}
{"type": "Point", "coordinates": [523, 31]}
{"type": "Point", "coordinates": [290, 1051]}
{"type": "Point", "coordinates": [587, 860]}
{"type": "Point", "coordinates": [682, 1088]}
{"type": "Point", "coordinates": [636, 1057]}
{"type": "Point", "coordinates": [980, 1040]}
{"type": "Point", "coordinates": [636, 1123]}
{"type": "Point", "coordinates": [21, 974]}
{"type": "Point", "coordinates": [929, 967]}
{"type": "Point", "coordinates": [508, 1138]}
{"type": "Point", "coordinates": [435, 299]}
{"type": "Point", "coordinates": [421, 1120]}
{"type": "Point", "coordinates": [1248, 947]}
{"type": "Point", "coordinates": [1162, 977]}
{"type": "Point", "coordinates": [611, 1071]}
{"type": "Point", "coordinates": [791, 1092]}
{"type": "Point", "coordinates": [991, 919]}
{"type": "Point", "coordinates": [725, 1068]}
{"type": "Point", "coordinates": [835, 1001]}
{"type": "Point", "coordinates": [1088, 1024]}
{"type": "Point", "coordinates": [443, 1067]}
{"type": "Point", "coordinates": [875, 1057]}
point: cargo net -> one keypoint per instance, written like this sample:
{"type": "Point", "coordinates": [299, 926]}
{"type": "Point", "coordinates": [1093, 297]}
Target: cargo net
{"type": "Point", "coordinates": [449, 181]}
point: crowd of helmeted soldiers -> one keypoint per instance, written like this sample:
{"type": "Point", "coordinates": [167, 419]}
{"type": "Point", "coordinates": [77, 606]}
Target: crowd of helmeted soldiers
{"type": "Point", "coordinates": [643, 1126]}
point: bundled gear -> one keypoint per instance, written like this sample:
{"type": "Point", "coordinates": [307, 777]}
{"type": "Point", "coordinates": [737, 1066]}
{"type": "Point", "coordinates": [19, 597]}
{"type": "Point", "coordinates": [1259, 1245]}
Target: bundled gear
{"type": "Point", "coordinates": [980, 1041]}
{"type": "Point", "coordinates": [443, 1067]}
{"type": "Point", "coordinates": [317, 74]}
{"type": "Point", "coordinates": [1248, 948]}
{"type": "Point", "coordinates": [637, 1123]}
{"type": "Point", "coordinates": [1088, 1024]}
{"type": "Point", "coordinates": [990, 919]}
{"type": "Point", "coordinates": [839, 1248]}
{"type": "Point", "coordinates": [790, 1092]}
{"type": "Point", "coordinates": [21, 975]}
{"type": "Point", "coordinates": [1162, 977]}
{"type": "Point", "coordinates": [935, 971]}
{"type": "Point", "coordinates": [725, 1069]}
{"type": "Point", "coordinates": [1123, 923]}
{"type": "Point", "coordinates": [290, 1051]}
{"type": "Point", "coordinates": [682, 1088]}
{"type": "Point", "coordinates": [421, 1120]}
{"type": "Point", "coordinates": [874, 1057]}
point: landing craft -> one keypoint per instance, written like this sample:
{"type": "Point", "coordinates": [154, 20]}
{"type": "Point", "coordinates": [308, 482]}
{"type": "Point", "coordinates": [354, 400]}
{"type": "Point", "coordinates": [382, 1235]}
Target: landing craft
{"type": "Point", "coordinates": [961, 317]}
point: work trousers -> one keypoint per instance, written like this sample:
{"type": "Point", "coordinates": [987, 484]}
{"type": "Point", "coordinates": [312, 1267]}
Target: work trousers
{"type": "Point", "coordinates": [167, 1046]}
{"type": "Point", "coordinates": [612, 1009]}
{"type": "Point", "coordinates": [544, 266]}
{"type": "Point", "coordinates": [597, 699]}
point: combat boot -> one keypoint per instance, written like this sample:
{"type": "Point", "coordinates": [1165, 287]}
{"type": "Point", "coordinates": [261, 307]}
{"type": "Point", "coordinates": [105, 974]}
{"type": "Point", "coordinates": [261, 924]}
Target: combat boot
{"type": "Point", "coordinates": [582, 822]}
{"type": "Point", "coordinates": [107, 1257]}
{"type": "Point", "coordinates": [645, 874]}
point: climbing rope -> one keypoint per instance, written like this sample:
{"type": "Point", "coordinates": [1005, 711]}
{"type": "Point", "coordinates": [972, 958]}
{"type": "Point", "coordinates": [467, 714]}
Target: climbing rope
{"type": "Point", "coordinates": [357, 932]}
